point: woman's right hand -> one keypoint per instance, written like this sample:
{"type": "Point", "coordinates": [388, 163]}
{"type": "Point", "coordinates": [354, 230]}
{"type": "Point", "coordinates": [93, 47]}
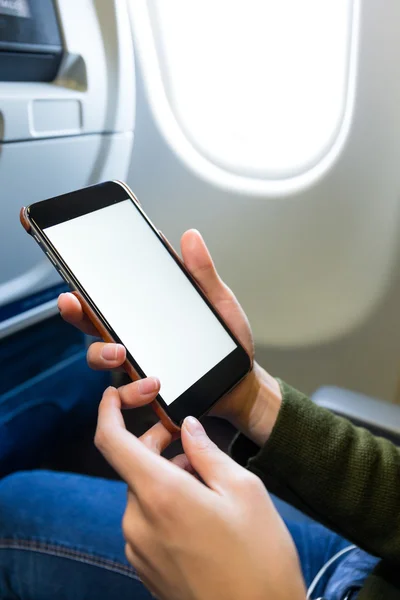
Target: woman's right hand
{"type": "Point", "coordinates": [218, 536]}
{"type": "Point", "coordinates": [254, 404]}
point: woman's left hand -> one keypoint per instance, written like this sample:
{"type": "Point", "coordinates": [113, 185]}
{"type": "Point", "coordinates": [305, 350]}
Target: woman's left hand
{"type": "Point", "coordinates": [189, 540]}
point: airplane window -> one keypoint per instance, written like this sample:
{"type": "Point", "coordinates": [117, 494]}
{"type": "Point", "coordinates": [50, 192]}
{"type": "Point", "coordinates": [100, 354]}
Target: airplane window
{"type": "Point", "coordinates": [256, 90]}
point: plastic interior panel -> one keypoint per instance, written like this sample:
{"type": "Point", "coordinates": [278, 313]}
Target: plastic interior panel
{"type": "Point", "coordinates": [62, 136]}
{"type": "Point", "coordinates": [97, 72]}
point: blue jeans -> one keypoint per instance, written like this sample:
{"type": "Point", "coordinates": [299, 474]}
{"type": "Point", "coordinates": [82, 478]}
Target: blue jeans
{"type": "Point", "coordinates": [60, 537]}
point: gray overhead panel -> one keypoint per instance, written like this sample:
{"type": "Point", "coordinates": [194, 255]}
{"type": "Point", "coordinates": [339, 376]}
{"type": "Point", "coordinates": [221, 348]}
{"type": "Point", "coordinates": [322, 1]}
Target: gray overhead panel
{"type": "Point", "coordinates": [66, 121]}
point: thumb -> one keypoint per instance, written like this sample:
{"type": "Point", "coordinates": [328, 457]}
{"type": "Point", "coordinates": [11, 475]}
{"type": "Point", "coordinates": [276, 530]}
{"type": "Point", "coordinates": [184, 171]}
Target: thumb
{"type": "Point", "coordinates": [198, 260]}
{"type": "Point", "coordinates": [214, 466]}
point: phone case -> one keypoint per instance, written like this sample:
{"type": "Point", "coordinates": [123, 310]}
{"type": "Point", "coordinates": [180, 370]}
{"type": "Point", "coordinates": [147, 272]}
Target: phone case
{"type": "Point", "coordinates": [106, 336]}
{"type": "Point", "coordinates": [24, 220]}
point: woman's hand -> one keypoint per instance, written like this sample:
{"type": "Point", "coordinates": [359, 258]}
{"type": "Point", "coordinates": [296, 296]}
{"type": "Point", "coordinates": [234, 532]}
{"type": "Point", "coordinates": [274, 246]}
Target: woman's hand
{"type": "Point", "coordinates": [188, 541]}
{"type": "Point", "coordinates": [254, 404]}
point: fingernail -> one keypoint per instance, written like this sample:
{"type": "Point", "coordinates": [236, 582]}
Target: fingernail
{"type": "Point", "coordinates": [110, 351]}
{"type": "Point", "coordinates": [58, 300]}
{"type": "Point", "coordinates": [111, 395]}
{"type": "Point", "coordinates": [194, 427]}
{"type": "Point", "coordinates": [148, 386]}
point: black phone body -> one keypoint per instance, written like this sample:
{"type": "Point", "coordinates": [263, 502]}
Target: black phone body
{"type": "Point", "coordinates": [107, 249]}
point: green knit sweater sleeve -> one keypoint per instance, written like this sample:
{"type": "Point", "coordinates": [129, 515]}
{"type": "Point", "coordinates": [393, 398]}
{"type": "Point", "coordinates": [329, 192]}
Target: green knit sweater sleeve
{"type": "Point", "coordinates": [339, 474]}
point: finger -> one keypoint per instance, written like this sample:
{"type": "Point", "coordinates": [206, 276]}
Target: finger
{"type": "Point", "coordinates": [157, 438]}
{"type": "Point", "coordinates": [135, 463]}
{"type": "Point", "coordinates": [102, 356]}
{"type": "Point", "coordinates": [139, 393]}
{"type": "Point", "coordinates": [200, 264]}
{"type": "Point", "coordinates": [182, 462]}
{"type": "Point", "coordinates": [71, 311]}
{"type": "Point", "coordinates": [214, 466]}
{"type": "Point", "coordinates": [198, 260]}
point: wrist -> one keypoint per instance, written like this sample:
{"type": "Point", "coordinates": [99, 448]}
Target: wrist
{"type": "Point", "coordinates": [260, 402]}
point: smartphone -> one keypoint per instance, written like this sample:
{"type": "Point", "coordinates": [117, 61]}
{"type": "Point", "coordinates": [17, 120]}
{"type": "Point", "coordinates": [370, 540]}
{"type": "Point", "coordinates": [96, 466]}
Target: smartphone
{"type": "Point", "coordinates": [137, 292]}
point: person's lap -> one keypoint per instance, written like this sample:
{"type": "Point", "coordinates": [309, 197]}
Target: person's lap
{"type": "Point", "coordinates": [60, 536]}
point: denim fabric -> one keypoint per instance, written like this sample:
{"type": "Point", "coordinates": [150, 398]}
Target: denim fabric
{"type": "Point", "coordinates": [60, 537]}
{"type": "Point", "coordinates": [349, 576]}
{"type": "Point", "coordinates": [316, 546]}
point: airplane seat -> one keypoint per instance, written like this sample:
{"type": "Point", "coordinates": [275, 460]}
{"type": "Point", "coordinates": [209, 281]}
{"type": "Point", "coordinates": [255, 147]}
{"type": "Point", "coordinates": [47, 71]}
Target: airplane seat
{"type": "Point", "coordinates": [67, 113]}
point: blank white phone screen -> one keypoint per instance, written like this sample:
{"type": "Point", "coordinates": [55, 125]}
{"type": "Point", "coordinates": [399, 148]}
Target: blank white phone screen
{"type": "Point", "coordinates": [140, 290]}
